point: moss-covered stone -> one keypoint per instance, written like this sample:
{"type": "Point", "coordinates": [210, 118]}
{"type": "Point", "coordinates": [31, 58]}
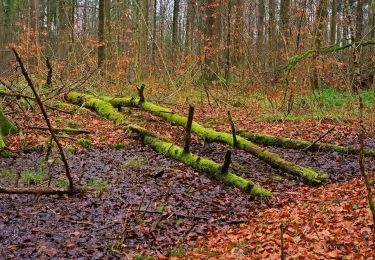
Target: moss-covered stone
{"type": "Point", "coordinates": [300, 144]}
{"type": "Point", "coordinates": [207, 166]}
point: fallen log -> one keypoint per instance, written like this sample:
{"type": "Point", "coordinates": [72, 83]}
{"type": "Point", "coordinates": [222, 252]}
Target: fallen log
{"type": "Point", "coordinates": [6, 126]}
{"type": "Point", "coordinates": [64, 130]}
{"type": "Point", "coordinates": [210, 135]}
{"type": "Point", "coordinates": [40, 191]}
{"type": "Point", "coordinates": [103, 108]}
{"type": "Point", "coordinates": [283, 142]}
{"type": "Point", "coordinates": [207, 166]}
{"type": "Point", "coordinates": [2, 143]}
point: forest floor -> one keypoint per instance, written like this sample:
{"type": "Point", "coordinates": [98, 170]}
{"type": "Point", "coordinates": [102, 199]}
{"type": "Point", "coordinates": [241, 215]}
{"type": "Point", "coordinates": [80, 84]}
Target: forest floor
{"type": "Point", "coordinates": [148, 205]}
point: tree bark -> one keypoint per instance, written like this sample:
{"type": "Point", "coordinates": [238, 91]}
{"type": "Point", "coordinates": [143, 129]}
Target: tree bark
{"type": "Point", "coordinates": [333, 25]}
{"type": "Point", "coordinates": [101, 37]}
{"type": "Point", "coordinates": [175, 23]}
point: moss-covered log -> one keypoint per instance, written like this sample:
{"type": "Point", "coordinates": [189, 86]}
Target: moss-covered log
{"type": "Point", "coordinates": [103, 108]}
{"type": "Point", "coordinates": [283, 142]}
{"type": "Point", "coordinates": [204, 165]}
{"type": "Point", "coordinates": [6, 126]}
{"type": "Point", "coordinates": [210, 135]}
{"type": "Point", "coordinates": [2, 144]}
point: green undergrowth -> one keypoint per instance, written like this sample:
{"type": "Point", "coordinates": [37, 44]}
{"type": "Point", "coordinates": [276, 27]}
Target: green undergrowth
{"type": "Point", "coordinates": [7, 173]}
{"type": "Point", "coordinates": [34, 176]}
{"type": "Point", "coordinates": [98, 185]}
{"type": "Point", "coordinates": [326, 104]}
{"type": "Point", "coordinates": [84, 142]}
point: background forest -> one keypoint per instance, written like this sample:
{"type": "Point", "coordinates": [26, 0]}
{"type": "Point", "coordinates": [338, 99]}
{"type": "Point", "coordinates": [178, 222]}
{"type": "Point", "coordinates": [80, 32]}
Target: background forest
{"type": "Point", "coordinates": [184, 42]}
{"type": "Point", "coordinates": [155, 129]}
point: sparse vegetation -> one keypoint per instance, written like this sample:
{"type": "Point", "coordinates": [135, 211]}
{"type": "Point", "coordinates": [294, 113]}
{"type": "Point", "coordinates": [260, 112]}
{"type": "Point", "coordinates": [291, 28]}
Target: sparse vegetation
{"type": "Point", "coordinates": [85, 143]}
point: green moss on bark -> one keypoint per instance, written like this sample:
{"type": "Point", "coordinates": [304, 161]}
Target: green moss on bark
{"type": "Point", "coordinates": [103, 108]}
{"type": "Point", "coordinates": [205, 165]}
{"type": "Point", "coordinates": [300, 144]}
{"type": "Point", "coordinates": [2, 144]}
{"type": "Point", "coordinates": [6, 126]}
{"type": "Point", "coordinates": [210, 135]}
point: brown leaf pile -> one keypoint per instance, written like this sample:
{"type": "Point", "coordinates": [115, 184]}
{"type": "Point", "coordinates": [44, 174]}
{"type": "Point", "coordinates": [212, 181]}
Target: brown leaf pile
{"type": "Point", "coordinates": [330, 222]}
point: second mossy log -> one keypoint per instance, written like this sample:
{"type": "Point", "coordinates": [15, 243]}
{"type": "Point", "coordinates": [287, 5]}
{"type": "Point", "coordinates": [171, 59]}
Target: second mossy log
{"type": "Point", "coordinates": [283, 142]}
{"type": "Point", "coordinates": [204, 165]}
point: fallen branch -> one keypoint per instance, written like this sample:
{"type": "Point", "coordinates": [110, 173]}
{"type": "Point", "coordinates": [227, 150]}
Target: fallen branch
{"type": "Point", "coordinates": [319, 138]}
{"type": "Point", "coordinates": [290, 143]}
{"type": "Point", "coordinates": [43, 110]}
{"type": "Point", "coordinates": [64, 130]}
{"type": "Point", "coordinates": [199, 163]}
{"type": "Point", "coordinates": [40, 191]}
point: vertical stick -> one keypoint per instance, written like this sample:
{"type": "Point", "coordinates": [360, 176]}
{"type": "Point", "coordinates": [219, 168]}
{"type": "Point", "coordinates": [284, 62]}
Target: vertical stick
{"type": "Point", "coordinates": [188, 129]}
{"type": "Point", "coordinates": [282, 228]}
{"type": "Point", "coordinates": [49, 75]}
{"type": "Point", "coordinates": [227, 161]}
{"type": "Point", "coordinates": [232, 129]}
{"type": "Point", "coordinates": [140, 93]}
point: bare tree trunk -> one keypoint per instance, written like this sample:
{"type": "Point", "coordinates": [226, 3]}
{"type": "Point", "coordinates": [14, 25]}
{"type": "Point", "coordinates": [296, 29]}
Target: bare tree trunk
{"type": "Point", "coordinates": [320, 24]}
{"type": "Point", "coordinates": [190, 14]}
{"type": "Point", "coordinates": [333, 22]}
{"type": "Point", "coordinates": [284, 17]}
{"type": "Point", "coordinates": [175, 23]}
{"type": "Point", "coordinates": [211, 39]}
{"type": "Point", "coordinates": [101, 37]}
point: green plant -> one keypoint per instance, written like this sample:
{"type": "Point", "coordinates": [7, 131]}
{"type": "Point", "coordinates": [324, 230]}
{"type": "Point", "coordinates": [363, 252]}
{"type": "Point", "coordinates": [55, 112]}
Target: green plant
{"type": "Point", "coordinates": [31, 177]}
{"type": "Point", "coordinates": [85, 143]}
{"type": "Point", "coordinates": [61, 183]}
{"type": "Point", "coordinates": [143, 257]}
{"type": "Point", "coordinates": [134, 163]}
{"type": "Point", "coordinates": [118, 146]}
{"type": "Point", "coordinates": [98, 185]}
{"type": "Point", "coordinates": [7, 173]}
{"type": "Point", "coordinates": [73, 124]}
{"type": "Point", "coordinates": [179, 251]}
{"type": "Point", "coordinates": [160, 207]}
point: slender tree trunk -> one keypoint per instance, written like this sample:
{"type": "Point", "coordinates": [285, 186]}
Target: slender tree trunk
{"type": "Point", "coordinates": [333, 22]}
{"type": "Point", "coordinates": [211, 39]}
{"type": "Point", "coordinates": [175, 23]}
{"type": "Point", "coordinates": [238, 32]}
{"type": "Point", "coordinates": [189, 26]}
{"type": "Point", "coordinates": [142, 38]}
{"type": "Point", "coordinates": [63, 31]}
{"type": "Point", "coordinates": [101, 37]}
{"type": "Point", "coordinates": [284, 17]}
{"type": "Point", "coordinates": [320, 24]}
{"type": "Point", "coordinates": [260, 23]}
{"type": "Point", "coordinates": [154, 44]}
